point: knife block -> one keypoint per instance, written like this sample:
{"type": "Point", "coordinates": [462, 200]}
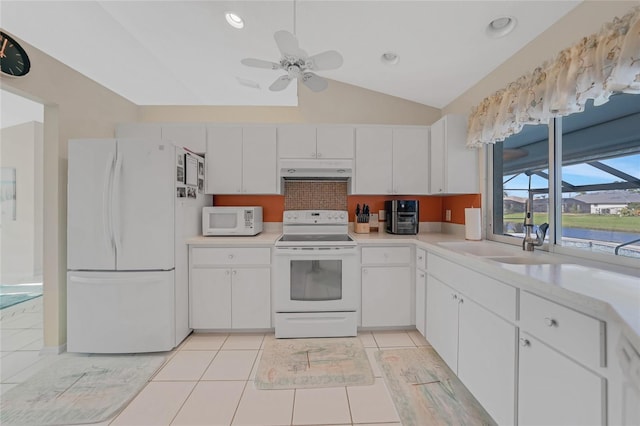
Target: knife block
{"type": "Point", "coordinates": [361, 228]}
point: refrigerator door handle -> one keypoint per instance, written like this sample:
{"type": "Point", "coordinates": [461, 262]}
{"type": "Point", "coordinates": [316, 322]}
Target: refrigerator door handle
{"type": "Point", "coordinates": [101, 281]}
{"type": "Point", "coordinates": [106, 202]}
{"type": "Point", "coordinates": [115, 204]}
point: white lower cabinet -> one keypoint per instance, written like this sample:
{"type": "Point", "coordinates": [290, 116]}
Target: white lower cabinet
{"type": "Point", "coordinates": [560, 350]}
{"type": "Point", "coordinates": [386, 296]}
{"type": "Point", "coordinates": [478, 345]}
{"type": "Point", "coordinates": [554, 390]}
{"type": "Point", "coordinates": [442, 321]}
{"type": "Point", "coordinates": [421, 290]}
{"type": "Point", "coordinates": [387, 287]}
{"type": "Point", "coordinates": [486, 359]}
{"type": "Point", "coordinates": [229, 289]}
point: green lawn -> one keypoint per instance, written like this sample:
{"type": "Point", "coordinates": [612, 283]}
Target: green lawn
{"type": "Point", "coordinates": [588, 221]}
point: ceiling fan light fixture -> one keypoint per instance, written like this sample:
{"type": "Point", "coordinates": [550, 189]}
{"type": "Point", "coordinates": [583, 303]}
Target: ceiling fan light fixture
{"type": "Point", "coordinates": [234, 20]}
{"type": "Point", "coordinates": [501, 26]}
{"type": "Point", "coordinates": [389, 58]}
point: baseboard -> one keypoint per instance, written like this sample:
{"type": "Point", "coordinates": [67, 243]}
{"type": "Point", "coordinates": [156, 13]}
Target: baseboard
{"type": "Point", "coordinates": [53, 350]}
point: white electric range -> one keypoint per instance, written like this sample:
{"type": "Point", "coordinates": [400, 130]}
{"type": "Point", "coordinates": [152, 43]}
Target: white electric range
{"type": "Point", "coordinates": [316, 276]}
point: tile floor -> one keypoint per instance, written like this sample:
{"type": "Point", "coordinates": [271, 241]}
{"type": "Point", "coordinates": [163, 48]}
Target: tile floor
{"type": "Point", "coordinates": [208, 380]}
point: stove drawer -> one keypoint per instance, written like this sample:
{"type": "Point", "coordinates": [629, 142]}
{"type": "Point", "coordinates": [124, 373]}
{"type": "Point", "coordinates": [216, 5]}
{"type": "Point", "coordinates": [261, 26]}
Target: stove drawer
{"type": "Point", "coordinates": [224, 256]}
{"type": "Point", "coordinates": [386, 255]}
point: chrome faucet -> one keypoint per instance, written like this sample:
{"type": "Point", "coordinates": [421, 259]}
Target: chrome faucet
{"type": "Point", "coordinates": [529, 242]}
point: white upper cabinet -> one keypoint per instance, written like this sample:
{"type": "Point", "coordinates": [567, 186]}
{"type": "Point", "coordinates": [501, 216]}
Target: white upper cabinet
{"type": "Point", "coordinates": [191, 136]}
{"type": "Point", "coordinates": [303, 141]}
{"type": "Point", "coordinates": [297, 142]}
{"type": "Point", "coordinates": [374, 153]}
{"type": "Point", "coordinates": [224, 160]}
{"type": "Point", "coordinates": [392, 160]}
{"type": "Point", "coordinates": [241, 160]}
{"type": "Point", "coordinates": [334, 142]}
{"type": "Point", "coordinates": [453, 166]}
{"type": "Point", "coordinates": [410, 160]}
{"type": "Point", "coordinates": [259, 171]}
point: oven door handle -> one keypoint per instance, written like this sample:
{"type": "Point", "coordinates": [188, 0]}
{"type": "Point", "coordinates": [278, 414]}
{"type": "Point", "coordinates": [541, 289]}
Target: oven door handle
{"type": "Point", "coordinates": [315, 251]}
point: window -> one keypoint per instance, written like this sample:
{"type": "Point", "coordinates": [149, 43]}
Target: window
{"type": "Point", "coordinates": [521, 170]}
{"type": "Point", "coordinates": [600, 178]}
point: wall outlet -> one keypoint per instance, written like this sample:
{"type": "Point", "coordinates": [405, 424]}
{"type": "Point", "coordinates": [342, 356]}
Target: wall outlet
{"type": "Point", "coordinates": [447, 215]}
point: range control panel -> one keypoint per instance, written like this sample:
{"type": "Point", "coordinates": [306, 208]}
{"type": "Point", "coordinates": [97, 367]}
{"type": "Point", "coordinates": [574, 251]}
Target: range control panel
{"type": "Point", "coordinates": [312, 217]}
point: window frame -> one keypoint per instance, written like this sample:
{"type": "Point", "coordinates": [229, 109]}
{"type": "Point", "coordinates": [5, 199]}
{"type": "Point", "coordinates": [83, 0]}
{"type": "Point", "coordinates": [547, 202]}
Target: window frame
{"type": "Point", "coordinates": [554, 244]}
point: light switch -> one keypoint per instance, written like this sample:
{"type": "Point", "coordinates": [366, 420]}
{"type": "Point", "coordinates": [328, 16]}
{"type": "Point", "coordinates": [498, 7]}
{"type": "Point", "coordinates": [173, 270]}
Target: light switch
{"type": "Point", "coordinates": [447, 215]}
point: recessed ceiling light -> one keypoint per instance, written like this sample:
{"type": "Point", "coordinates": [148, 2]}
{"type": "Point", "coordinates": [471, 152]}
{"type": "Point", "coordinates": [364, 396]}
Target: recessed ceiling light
{"type": "Point", "coordinates": [234, 20]}
{"type": "Point", "coordinates": [501, 26]}
{"type": "Point", "coordinates": [389, 58]}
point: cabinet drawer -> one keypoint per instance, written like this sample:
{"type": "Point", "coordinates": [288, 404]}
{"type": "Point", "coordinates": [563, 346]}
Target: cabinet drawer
{"type": "Point", "coordinates": [421, 259]}
{"type": "Point", "coordinates": [492, 294]}
{"type": "Point", "coordinates": [386, 255]}
{"type": "Point", "coordinates": [577, 335]}
{"type": "Point", "coordinates": [202, 256]}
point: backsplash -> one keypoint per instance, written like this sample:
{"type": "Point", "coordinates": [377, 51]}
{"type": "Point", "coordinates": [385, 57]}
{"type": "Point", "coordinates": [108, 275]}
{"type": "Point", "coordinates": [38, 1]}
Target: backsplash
{"type": "Point", "coordinates": [432, 209]}
{"type": "Point", "coordinates": [316, 195]}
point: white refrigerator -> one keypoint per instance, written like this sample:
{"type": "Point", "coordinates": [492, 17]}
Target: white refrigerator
{"type": "Point", "coordinates": [131, 206]}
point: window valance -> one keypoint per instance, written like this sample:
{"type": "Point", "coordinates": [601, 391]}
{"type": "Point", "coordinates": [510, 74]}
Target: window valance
{"type": "Point", "coordinates": [597, 66]}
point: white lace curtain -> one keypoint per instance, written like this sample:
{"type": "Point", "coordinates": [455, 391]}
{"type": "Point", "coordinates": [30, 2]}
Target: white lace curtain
{"type": "Point", "coordinates": [594, 68]}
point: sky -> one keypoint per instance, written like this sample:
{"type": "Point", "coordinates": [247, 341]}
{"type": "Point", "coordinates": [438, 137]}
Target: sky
{"type": "Point", "coordinates": [579, 174]}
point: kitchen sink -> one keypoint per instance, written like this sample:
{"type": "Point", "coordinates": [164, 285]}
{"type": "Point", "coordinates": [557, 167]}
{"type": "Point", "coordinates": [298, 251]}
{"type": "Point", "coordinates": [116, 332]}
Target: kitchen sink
{"type": "Point", "coordinates": [479, 248]}
{"type": "Point", "coordinates": [522, 260]}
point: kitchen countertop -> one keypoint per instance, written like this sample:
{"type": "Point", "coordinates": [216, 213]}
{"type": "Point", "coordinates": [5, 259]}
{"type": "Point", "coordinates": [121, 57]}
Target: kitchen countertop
{"type": "Point", "coordinates": [267, 238]}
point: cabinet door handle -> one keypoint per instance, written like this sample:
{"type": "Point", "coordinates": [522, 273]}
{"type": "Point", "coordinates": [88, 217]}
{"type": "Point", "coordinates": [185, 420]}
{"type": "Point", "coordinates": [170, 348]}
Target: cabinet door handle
{"type": "Point", "coordinates": [461, 300]}
{"type": "Point", "coordinates": [319, 155]}
{"type": "Point", "coordinates": [419, 257]}
{"type": "Point", "coordinates": [313, 155]}
{"type": "Point", "coordinates": [421, 275]}
{"type": "Point", "coordinates": [364, 271]}
{"type": "Point", "coordinates": [226, 272]}
{"type": "Point", "coordinates": [454, 296]}
{"type": "Point", "coordinates": [230, 256]}
{"type": "Point", "coordinates": [550, 322]}
{"type": "Point", "coordinates": [524, 342]}
{"type": "Point", "coordinates": [235, 272]}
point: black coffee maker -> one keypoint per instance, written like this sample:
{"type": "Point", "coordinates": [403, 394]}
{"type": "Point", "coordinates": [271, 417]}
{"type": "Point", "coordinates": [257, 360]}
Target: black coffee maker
{"type": "Point", "coordinates": [403, 216]}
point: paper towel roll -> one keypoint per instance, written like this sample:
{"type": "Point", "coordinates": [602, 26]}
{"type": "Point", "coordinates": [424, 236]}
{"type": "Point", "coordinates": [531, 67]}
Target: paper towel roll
{"type": "Point", "coordinates": [472, 224]}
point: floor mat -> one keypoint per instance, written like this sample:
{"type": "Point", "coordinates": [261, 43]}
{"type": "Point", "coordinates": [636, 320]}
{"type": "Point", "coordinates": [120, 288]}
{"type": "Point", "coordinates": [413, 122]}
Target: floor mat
{"type": "Point", "coordinates": [313, 363]}
{"type": "Point", "coordinates": [426, 392]}
{"type": "Point", "coordinates": [78, 390]}
{"type": "Point", "coordinates": [7, 300]}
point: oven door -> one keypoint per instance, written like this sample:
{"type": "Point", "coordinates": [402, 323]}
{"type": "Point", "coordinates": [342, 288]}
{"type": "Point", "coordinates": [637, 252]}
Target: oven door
{"type": "Point", "coordinates": [316, 279]}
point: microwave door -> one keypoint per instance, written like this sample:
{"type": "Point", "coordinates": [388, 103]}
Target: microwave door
{"type": "Point", "coordinates": [226, 221]}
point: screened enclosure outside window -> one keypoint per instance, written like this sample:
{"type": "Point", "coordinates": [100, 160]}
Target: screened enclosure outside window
{"type": "Point", "coordinates": [601, 177]}
{"type": "Point", "coordinates": [599, 153]}
{"type": "Point", "coordinates": [521, 173]}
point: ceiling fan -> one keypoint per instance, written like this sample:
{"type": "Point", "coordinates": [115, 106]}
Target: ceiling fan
{"type": "Point", "coordinates": [297, 64]}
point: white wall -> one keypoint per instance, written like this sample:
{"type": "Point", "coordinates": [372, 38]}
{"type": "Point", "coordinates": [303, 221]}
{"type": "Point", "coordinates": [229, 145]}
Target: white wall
{"type": "Point", "coordinates": [21, 239]}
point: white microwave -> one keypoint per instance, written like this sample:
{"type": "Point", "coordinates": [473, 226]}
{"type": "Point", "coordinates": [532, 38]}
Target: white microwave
{"type": "Point", "coordinates": [231, 221]}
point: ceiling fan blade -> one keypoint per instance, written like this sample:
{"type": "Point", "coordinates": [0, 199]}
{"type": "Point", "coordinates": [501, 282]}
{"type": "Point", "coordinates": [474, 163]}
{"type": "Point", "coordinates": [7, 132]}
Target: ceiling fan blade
{"type": "Point", "coordinates": [314, 82]}
{"type": "Point", "coordinates": [259, 63]}
{"type": "Point", "coordinates": [288, 44]}
{"type": "Point", "coordinates": [280, 84]}
{"type": "Point", "coordinates": [328, 60]}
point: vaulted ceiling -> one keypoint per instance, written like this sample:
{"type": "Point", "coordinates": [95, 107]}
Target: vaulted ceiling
{"type": "Point", "coordinates": [185, 53]}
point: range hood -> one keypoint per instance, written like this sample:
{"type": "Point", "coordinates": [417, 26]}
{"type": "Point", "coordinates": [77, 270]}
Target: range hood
{"type": "Point", "coordinates": [336, 170]}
